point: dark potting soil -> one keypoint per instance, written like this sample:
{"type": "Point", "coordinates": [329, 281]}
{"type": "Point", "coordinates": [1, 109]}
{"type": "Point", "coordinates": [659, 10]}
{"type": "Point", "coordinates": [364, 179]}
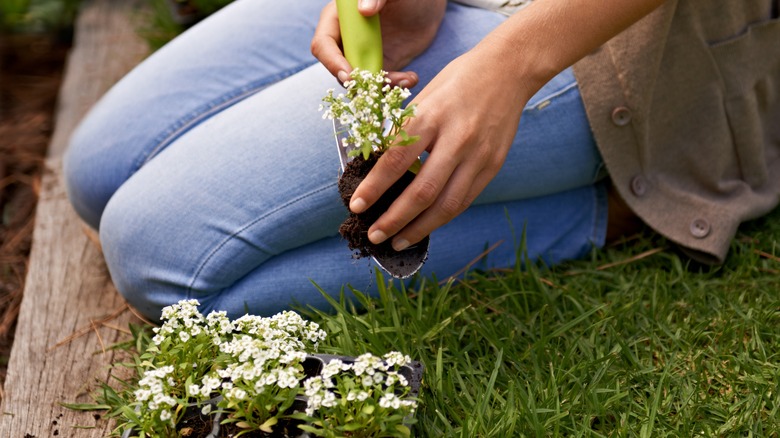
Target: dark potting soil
{"type": "Point", "coordinates": [194, 424]}
{"type": "Point", "coordinates": [354, 229]}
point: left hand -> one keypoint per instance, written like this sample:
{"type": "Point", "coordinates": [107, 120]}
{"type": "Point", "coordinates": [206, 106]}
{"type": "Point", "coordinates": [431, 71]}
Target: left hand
{"type": "Point", "coordinates": [408, 28]}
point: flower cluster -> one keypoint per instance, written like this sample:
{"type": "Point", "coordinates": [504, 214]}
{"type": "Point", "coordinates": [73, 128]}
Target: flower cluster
{"type": "Point", "coordinates": [373, 375]}
{"type": "Point", "coordinates": [372, 111]}
{"type": "Point", "coordinates": [254, 367]}
{"type": "Point", "coordinates": [153, 391]}
{"type": "Point", "coordinates": [264, 362]}
{"type": "Point", "coordinates": [356, 390]}
{"type": "Point", "coordinates": [181, 319]}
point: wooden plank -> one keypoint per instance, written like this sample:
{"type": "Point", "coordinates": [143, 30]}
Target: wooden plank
{"type": "Point", "coordinates": [106, 46]}
{"type": "Point", "coordinates": [68, 290]}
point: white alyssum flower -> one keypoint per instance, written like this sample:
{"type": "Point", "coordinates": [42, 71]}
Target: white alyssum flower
{"type": "Point", "coordinates": [255, 359]}
{"type": "Point", "coordinates": [368, 364]}
{"type": "Point", "coordinates": [152, 388]}
{"type": "Point", "coordinates": [334, 367]}
{"type": "Point", "coordinates": [357, 395]}
{"type": "Point", "coordinates": [236, 394]}
{"type": "Point", "coordinates": [261, 348]}
{"type": "Point", "coordinates": [369, 379]}
{"type": "Point", "coordinates": [142, 394]}
{"type": "Point", "coordinates": [390, 401]}
{"type": "Point", "coordinates": [372, 109]}
{"type": "Point", "coordinates": [395, 358]}
{"type": "Point", "coordinates": [329, 399]}
{"type": "Point", "coordinates": [393, 377]}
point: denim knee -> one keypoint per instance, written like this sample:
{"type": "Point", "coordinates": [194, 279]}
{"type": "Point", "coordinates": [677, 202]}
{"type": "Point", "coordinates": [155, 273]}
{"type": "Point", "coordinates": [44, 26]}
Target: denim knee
{"type": "Point", "coordinates": [81, 181]}
{"type": "Point", "coordinates": [131, 248]}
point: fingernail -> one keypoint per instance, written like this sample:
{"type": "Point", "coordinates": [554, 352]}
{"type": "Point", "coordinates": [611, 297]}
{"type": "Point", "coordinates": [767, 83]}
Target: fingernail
{"type": "Point", "coordinates": [400, 244]}
{"type": "Point", "coordinates": [343, 76]}
{"type": "Point", "coordinates": [357, 205]}
{"type": "Point", "coordinates": [404, 83]}
{"type": "Point", "coordinates": [367, 4]}
{"type": "Point", "coordinates": [377, 236]}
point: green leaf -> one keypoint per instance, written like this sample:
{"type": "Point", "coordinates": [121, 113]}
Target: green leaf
{"type": "Point", "coordinates": [86, 406]}
{"type": "Point", "coordinates": [310, 429]}
{"type": "Point", "coordinates": [351, 427]}
{"type": "Point", "coordinates": [130, 414]}
{"type": "Point", "coordinates": [267, 427]}
{"type": "Point", "coordinates": [405, 431]}
{"type": "Point", "coordinates": [410, 140]}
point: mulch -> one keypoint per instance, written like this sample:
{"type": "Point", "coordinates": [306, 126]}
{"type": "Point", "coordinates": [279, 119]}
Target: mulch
{"type": "Point", "coordinates": [31, 68]}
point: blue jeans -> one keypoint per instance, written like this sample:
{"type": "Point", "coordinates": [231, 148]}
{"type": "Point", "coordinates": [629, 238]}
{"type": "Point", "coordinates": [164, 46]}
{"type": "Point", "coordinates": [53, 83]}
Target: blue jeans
{"type": "Point", "coordinates": [210, 173]}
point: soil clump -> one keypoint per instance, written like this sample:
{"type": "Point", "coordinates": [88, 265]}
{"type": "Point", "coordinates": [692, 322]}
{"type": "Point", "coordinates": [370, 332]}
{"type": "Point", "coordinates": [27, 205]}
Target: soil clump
{"type": "Point", "coordinates": [355, 227]}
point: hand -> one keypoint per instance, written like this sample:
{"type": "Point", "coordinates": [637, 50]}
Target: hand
{"type": "Point", "coordinates": [467, 138]}
{"type": "Point", "coordinates": [408, 28]}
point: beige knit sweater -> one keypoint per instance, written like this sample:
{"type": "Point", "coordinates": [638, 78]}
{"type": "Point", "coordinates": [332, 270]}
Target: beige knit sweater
{"type": "Point", "coordinates": [685, 109]}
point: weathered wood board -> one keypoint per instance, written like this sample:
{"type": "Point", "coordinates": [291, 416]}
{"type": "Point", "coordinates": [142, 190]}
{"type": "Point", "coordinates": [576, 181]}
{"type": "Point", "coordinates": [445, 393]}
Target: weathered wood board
{"type": "Point", "coordinates": [68, 290]}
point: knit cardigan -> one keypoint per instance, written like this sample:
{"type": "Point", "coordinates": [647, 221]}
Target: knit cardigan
{"type": "Point", "coordinates": [685, 108]}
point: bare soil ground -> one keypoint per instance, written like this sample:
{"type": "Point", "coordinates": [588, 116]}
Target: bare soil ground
{"type": "Point", "coordinates": [30, 74]}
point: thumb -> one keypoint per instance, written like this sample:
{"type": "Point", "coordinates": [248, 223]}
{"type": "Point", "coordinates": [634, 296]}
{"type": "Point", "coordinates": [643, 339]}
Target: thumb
{"type": "Point", "coordinates": [405, 79]}
{"type": "Point", "coordinates": [368, 8]}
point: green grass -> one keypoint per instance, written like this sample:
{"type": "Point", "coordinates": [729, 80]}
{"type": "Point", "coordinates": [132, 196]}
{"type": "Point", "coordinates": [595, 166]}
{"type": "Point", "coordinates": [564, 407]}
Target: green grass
{"type": "Point", "coordinates": [652, 347]}
{"type": "Point", "coordinates": [635, 341]}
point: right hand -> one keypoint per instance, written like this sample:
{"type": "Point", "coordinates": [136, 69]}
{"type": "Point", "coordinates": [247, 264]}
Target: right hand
{"type": "Point", "coordinates": [408, 28]}
{"type": "Point", "coordinates": [467, 118]}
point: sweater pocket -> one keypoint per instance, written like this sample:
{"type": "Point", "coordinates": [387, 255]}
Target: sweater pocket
{"type": "Point", "coordinates": [749, 66]}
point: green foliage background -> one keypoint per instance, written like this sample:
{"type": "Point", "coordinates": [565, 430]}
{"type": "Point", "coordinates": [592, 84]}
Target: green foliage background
{"type": "Point", "coordinates": [37, 15]}
{"type": "Point", "coordinates": [43, 16]}
{"type": "Point", "coordinates": [164, 24]}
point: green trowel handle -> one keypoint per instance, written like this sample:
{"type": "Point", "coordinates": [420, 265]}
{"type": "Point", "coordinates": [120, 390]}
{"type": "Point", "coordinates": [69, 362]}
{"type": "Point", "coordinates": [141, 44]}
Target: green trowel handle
{"type": "Point", "coordinates": [361, 37]}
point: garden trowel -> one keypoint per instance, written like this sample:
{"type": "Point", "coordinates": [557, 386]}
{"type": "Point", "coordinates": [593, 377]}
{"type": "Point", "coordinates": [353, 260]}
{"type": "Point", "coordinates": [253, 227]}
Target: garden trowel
{"type": "Point", "coordinates": [362, 41]}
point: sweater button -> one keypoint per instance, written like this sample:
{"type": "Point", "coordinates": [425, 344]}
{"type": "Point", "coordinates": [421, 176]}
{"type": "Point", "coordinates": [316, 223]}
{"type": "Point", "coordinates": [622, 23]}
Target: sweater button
{"type": "Point", "coordinates": [621, 116]}
{"type": "Point", "coordinates": [700, 228]}
{"type": "Point", "coordinates": [638, 186]}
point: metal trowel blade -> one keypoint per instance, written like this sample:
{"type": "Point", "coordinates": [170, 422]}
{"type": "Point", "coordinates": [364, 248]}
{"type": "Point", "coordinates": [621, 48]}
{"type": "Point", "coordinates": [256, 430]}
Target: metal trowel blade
{"type": "Point", "coordinates": [399, 264]}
